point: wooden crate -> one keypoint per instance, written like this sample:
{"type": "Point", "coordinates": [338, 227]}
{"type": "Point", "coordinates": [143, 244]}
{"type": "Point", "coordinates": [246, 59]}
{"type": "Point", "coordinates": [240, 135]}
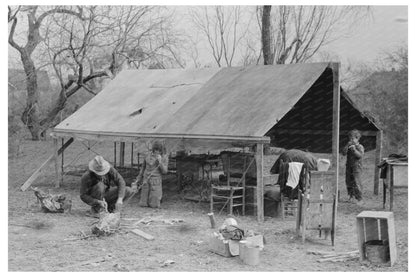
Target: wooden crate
{"type": "Point", "coordinates": [376, 225]}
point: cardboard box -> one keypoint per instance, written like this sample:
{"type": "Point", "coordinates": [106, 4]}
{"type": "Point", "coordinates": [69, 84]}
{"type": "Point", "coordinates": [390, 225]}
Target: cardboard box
{"type": "Point", "coordinates": [224, 247]}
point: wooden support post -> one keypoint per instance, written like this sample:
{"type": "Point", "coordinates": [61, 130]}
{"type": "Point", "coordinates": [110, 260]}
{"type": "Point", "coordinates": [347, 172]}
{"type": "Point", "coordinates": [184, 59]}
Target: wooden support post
{"type": "Point", "coordinates": [56, 161]}
{"type": "Point", "coordinates": [228, 169]}
{"type": "Point", "coordinates": [244, 185]}
{"type": "Point", "coordinates": [131, 156]}
{"type": "Point", "coordinates": [391, 184]}
{"type": "Point", "coordinates": [122, 148]}
{"type": "Point", "coordinates": [115, 154]}
{"type": "Point", "coordinates": [259, 189]}
{"type": "Point", "coordinates": [335, 139]}
{"type": "Point", "coordinates": [377, 159]}
{"type": "Point", "coordinates": [62, 162]}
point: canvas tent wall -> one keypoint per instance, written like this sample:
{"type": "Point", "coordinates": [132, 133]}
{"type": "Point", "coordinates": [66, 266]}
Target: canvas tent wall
{"type": "Point", "coordinates": [204, 110]}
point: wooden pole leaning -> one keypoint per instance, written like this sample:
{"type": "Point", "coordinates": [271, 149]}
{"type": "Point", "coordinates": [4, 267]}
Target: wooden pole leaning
{"type": "Point", "coordinates": [38, 171]}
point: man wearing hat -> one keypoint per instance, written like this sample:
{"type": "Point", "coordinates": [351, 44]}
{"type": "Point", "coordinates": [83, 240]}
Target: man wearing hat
{"type": "Point", "coordinates": [103, 187]}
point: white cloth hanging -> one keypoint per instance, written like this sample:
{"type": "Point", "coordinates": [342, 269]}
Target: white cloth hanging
{"type": "Point", "coordinates": [293, 174]}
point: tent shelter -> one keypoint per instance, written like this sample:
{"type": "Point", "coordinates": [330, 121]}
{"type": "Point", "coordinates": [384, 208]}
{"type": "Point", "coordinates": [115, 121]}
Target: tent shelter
{"type": "Point", "coordinates": [201, 110]}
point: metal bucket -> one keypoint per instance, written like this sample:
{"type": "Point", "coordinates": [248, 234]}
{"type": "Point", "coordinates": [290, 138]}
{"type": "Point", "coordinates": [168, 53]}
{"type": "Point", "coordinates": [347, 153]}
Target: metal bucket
{"type": "Point", "coordinates": [249, 253]}
{"type": "Point", "coordinates": [377, 251]}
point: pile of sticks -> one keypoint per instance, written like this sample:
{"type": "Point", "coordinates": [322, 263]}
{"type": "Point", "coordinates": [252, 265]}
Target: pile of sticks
{"type": "Point", "coordinates": [336, 256]}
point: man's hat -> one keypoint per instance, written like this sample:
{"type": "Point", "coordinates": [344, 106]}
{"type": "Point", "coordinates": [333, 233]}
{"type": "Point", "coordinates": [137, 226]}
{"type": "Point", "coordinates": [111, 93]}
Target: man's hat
{"type": "Point", "coordinates": [99, 166]}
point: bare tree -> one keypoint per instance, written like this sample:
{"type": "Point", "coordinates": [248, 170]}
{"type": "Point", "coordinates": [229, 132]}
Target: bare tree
{"type": "Point", "coordinates": [299, 32]}
{"type": "Point", "coordinates": [86, 43]}
{"type": "Point", "coordinates": [381, 89]}
{"type": "Point", "coordinates": [223, 28]}
{"type": "Point", "coordinates": [31, 114]}
{"type": "Point", "coordinates": [266, 36]}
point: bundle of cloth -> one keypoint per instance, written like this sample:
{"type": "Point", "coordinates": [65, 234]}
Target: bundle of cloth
{"type": "Point", "coordinates": [292, 167]}
{"type": "Point", "coordinates": [392, 158]}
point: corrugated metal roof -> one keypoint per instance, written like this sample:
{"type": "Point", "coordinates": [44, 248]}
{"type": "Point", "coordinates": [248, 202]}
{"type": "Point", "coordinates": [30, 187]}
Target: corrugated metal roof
{"type": "Point", "coordinates": [237, 102]}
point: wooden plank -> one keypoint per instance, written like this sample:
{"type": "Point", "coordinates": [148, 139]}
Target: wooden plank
{"type": "Point", "coordinates": [384, 230]}
{"type": "Point", "coordinates": [142, 234]}
{"type": "Point", "coordinates": [377, 159]}
{"type": "Point", "coordinates": [335, 134]}
{"type": "Point", "coordinates": [279, 131]}
{"type": "Point", "coordinates": [36, 174]}
{"type": "Point", "coordinates": [400, 177]}
{"type": "Point", "coordinates": [371, 229]}
{"type": "Point", "coordinates": [392, 240]}
{"type": "Point", "coordinates": [132, 137]}
{"type": "Point", "coordinates": [259, 190]}
{"type": "Point", "coordinates": [375, 214]}
{"type": "Point", "coordinates": [360, 236]}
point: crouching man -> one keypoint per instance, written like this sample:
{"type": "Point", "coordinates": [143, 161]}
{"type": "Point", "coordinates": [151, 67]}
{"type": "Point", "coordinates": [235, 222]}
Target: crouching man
{"type": "Point", "coordinates": [103, 187]}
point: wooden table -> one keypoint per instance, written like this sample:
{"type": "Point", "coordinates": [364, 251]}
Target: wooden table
{"type": "Point", "coordinates": [396, 177]}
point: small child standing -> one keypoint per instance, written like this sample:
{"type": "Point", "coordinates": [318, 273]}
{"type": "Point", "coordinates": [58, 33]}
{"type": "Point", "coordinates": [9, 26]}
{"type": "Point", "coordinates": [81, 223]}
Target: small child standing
{"type": "Point", "coordinates": [355, 152]}
{"type": "Point", "coordinates": [150, 176]}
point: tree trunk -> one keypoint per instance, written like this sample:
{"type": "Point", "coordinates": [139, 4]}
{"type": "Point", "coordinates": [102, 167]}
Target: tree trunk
{"type": "Point", "coordinates": [266, 36]}
{"type": "Point", "coordinates": [30, 116]}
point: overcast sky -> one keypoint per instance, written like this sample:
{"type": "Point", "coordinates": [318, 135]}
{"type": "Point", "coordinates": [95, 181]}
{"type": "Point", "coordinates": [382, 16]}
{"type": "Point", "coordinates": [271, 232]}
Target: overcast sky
{"type": "Point", "coordinates": [386, 30]}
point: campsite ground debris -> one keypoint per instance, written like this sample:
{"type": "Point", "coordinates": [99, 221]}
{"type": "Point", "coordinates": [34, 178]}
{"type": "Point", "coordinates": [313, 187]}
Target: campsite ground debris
{"type": "Point", "coordinates": [94, 262]}
{"type": "Point", "coordinates": [121, 268]}
{"type": "Point", "coordinates": [167, 262]}
{"type": "Point", "coordinates": [37, 225]}
{"type": "Point", "coordinates": [148, 220]}
{"type": "Point", "coordinates": [81, 236]}
{"type": "Point", "coordinates": [142, 234]}
{"type": "Point", "coordinates": [335, 256]}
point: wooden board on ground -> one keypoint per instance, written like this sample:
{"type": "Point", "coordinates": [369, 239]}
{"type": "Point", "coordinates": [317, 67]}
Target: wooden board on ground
{"type": "Point", "coordinates": [142, 234]}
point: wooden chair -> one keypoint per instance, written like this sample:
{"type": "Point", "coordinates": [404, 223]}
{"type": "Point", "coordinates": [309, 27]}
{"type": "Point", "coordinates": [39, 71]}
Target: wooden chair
{"type": "Point", "coordinates": [231, 193]}
{"type": "Point", "coordinates": [287, 206]}
{"type": "Point", "coordinates": [316, 206]}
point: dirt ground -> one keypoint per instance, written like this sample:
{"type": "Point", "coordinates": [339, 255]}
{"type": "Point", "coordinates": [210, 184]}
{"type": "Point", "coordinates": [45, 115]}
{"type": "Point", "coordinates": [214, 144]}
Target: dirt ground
{"type": "Point", "coordinates": [39, 241]}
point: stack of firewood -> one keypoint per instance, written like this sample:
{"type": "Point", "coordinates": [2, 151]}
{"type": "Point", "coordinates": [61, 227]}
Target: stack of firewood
{"type": "Point", "coordinates": [52, 203]}
{"type": "Point", "coordinates": [335, 256]}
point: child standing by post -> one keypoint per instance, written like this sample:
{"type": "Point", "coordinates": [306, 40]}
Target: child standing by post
{"type": "Point", "coordinates": [355, 152]}
{"type": "Point", "coordinates": [150, 176]}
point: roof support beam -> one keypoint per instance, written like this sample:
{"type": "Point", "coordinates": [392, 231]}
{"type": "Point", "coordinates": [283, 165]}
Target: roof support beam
{"type": "Point", "coordinates": [259, 188]}
{"type": "Point", "coordinates": [335, 139]}
{"type": "Point", "coordinates": [132, 137]}
{"type": "Point", "coordinates": [320, 132]}
{"type": "Point", "coordinates": [377, 158]}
